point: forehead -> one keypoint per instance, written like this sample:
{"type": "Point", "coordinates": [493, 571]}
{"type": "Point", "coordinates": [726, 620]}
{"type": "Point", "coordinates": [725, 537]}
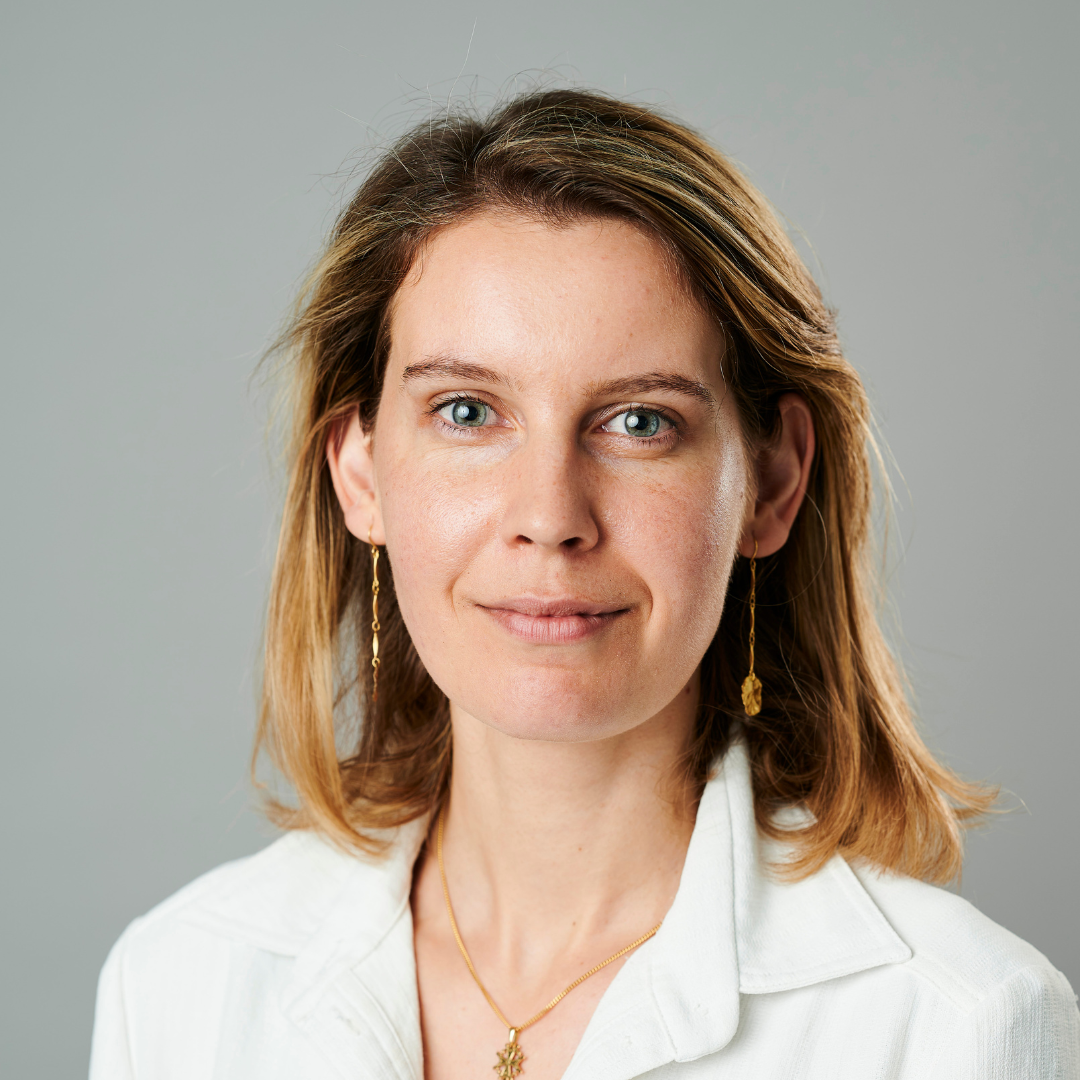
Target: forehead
{"type": "Point", "coordinates": [589, 298]}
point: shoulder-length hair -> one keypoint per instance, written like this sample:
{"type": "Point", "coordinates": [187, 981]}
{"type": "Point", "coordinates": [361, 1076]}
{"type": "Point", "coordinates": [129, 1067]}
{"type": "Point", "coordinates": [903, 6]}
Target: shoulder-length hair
{"type": "Point", "coordinates": [835, 734]}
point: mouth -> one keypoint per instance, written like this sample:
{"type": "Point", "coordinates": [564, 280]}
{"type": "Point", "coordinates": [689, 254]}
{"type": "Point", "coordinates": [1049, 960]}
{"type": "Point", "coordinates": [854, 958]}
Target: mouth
{"type": "Point", "coordinates": [558, 621]}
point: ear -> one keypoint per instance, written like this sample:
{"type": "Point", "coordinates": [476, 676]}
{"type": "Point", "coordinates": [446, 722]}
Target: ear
{"type": "Point", "coordinates": [783, 470]}
{"type": "Point", "coordinates": [348, 453]}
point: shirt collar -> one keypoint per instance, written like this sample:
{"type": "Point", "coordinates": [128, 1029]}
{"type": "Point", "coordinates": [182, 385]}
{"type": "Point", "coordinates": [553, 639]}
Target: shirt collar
{"type": "Point", "coordinates": [734, 928]}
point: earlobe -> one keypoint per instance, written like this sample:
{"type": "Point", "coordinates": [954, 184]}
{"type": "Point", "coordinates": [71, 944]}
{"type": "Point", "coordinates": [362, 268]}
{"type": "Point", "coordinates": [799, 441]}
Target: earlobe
{"type": "Point", "coordinates": [783, 472]}
{"type": "Point", "coordinates": [352, 470]}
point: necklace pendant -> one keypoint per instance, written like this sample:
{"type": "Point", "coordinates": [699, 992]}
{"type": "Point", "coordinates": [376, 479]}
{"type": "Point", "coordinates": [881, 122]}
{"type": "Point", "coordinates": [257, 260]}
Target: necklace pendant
{"type": "Point", "coordinates": [510, 1059]}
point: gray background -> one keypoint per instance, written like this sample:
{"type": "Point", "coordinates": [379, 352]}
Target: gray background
{"type": "Point", "coordinates": [168, 173]}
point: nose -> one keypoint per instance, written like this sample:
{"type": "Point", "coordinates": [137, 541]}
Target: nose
{"type": "Point", "coordinates": [549, 502]}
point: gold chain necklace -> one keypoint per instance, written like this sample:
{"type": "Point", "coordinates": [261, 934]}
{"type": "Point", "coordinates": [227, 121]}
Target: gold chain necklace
{"type": "Point", "coordinates": [510, 1058]}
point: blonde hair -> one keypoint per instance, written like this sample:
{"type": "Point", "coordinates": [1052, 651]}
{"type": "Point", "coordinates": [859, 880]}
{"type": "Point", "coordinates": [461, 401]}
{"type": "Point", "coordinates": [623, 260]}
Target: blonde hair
{"type": "Point", "coordinates": [836, 732]}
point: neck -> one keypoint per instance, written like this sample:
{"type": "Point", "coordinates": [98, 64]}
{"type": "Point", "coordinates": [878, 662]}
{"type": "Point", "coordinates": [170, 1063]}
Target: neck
{"type": "Point", "coordinates": [553, 843]}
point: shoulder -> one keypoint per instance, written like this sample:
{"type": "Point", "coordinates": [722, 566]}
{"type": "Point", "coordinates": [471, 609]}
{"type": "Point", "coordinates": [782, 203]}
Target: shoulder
{"type": "Point", "coordinates": [954, 946]}
{"type": "Point", "coordinates": [1006, 996]}
{"type": "Point", "coordinates": [274, 899]}
{"type": "Point", "coordinates": [298, 893]}
{"type": "Point", "coordinates": [221, 953]}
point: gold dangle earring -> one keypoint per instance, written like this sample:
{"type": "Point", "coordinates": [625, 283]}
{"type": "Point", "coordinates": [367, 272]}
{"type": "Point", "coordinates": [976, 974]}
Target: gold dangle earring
{"type": "Point", "coordinates": [374, 618]}
{"type": "Point", "coordinates": [751, 687]}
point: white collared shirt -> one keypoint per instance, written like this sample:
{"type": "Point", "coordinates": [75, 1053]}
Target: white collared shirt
{"type": "Point", "coordinates": [298, 964]}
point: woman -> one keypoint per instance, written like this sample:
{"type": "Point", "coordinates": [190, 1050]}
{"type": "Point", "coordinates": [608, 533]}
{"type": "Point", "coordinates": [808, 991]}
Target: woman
{"type": "Point", "coordinates": [602, 765]}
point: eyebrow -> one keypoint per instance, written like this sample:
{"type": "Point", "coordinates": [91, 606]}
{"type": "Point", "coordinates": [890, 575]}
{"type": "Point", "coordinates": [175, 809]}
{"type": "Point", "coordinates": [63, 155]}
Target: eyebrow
{"type": "Point", "coordinates": [635, 385]}
{"type": "Point", "coordinates": [450, 367]}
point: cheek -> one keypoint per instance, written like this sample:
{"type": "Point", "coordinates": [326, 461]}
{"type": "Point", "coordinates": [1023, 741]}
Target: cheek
{"type": "Point", "coordinates": [682, 538]}
{"type": "Point", "coordinates": [435, 523]}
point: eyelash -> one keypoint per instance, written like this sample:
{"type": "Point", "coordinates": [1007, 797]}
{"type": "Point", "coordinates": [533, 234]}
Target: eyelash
{"type": "Point", "coordinates": [437, 406]}
{"type": "Point", "coordinates": [459, 395]}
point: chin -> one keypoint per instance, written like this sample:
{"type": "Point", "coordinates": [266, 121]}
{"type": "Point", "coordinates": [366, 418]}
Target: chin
{"type": "Point", "coordinates": [552, 706]}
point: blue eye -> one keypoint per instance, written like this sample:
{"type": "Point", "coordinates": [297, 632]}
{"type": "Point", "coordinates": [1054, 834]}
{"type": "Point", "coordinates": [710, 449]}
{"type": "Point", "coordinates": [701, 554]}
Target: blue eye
{"type": "Point", "coordinates": [641, 423]}
{"type": "Point", "coordinates": [464, 413]}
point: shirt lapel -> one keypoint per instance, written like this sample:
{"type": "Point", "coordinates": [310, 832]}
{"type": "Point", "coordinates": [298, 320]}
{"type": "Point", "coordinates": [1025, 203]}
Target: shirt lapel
{"type": "Point", "coordinates": [796, 933]}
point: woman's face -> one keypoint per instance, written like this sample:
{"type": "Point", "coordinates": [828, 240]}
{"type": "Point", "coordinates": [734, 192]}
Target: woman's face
{"type": "Point", "coordinates": [559, 474]}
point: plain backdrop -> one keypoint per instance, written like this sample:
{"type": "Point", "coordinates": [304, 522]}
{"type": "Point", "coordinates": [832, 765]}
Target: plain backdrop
{"type": "Point", "coordinates": [169, 171]}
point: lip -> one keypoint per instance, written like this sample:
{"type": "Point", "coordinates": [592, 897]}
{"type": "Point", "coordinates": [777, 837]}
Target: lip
{"type": "Point", "coordinates": [552, 621]}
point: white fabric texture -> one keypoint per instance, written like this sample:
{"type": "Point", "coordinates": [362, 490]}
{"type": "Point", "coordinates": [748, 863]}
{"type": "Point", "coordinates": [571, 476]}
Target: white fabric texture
{"type": "Point", "coordinates": [298, 962]}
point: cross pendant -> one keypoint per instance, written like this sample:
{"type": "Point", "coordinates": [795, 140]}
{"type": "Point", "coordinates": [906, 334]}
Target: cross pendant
{"type": "Point", "coordinates": [510, 1059]}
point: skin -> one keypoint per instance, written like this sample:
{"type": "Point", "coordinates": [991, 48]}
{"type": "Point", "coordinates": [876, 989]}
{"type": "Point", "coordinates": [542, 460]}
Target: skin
{"type": "Point", "coordinates": [561, 578]}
